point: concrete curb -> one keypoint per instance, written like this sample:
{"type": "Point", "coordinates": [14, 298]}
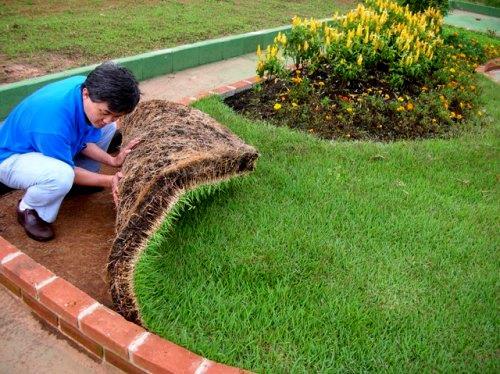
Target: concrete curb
{"type": "Point", "coordinates": [475, 8]}
{"type": "Point", "coordinates": [104, 334]}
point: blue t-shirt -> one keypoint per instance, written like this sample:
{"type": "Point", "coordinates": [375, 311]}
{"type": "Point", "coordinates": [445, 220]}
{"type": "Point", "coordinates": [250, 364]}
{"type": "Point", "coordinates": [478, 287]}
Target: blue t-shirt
{"type": "Point", "coordinates": [50, 121]}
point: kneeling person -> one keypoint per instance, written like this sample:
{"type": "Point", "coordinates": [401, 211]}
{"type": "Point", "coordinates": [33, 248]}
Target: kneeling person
{"type": "Point", "coordinates": [58, 136]}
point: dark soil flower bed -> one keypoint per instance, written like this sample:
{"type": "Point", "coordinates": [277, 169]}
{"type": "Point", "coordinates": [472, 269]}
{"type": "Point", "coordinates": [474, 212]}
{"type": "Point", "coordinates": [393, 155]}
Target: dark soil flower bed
{"type": "Point", "coordinates": [354, 110]}
{"type": "Point", "coordinates": [379, 73]}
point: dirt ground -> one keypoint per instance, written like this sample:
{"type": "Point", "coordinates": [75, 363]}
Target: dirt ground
{"type": "Point", "coordinates": [17, 69]}
{"type": "Point", "coordinates": [84, 234]}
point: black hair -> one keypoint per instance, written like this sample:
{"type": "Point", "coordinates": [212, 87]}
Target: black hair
{"type": "Point", "coordinates": [114, 85]}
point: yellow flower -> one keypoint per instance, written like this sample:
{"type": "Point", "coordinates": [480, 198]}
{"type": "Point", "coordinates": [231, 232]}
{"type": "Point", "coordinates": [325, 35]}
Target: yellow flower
{"type": "Point", "coordinates": [386, 96]}
{"type": "Point", "coordinates": [277, 106]}
{"type": "Point", "coordinates": [400, 108]}
{"type": "Point", "coordinates": [410, 106]}
{"type": "Point", "coordinates": [259, 52]}
{"type": "Point", "coordinates": [295, 105]}
{"type": "Point", "coordinates": [350, 110]}
{"type": "Point", "coordinates": [296, 80]}
{"type": "Point", "coordinates": [452, 70]}
{"type": "Point", "coordinates": [400, 99]}
{"type": "Point", "coordinates": [320, 83]}
{"type": "Point", "coordinates": [452, 115]}
{"type": "Point", "coordinates": [359, 30]}
{"type": "Point", "coordinates": [360, 59]}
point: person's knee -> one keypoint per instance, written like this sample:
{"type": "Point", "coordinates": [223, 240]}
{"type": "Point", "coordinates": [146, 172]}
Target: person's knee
{"type": "Point", "coordinates": [62, 179]}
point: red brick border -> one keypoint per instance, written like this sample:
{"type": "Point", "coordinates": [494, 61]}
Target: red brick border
{"type": "Point", "coordinates": [223, 91]}
{"type": "Point", "coordinates": [489, 68]}
{"type": "Point", "coordinates": [101, 332]}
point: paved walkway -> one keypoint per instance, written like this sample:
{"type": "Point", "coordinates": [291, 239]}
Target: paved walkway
{"type": "Point", "coordinates": [203, 78]}
{"type": "Point", "coordinates": [473, 21]}
{"type": "Point", "coordinates": [27, 347]}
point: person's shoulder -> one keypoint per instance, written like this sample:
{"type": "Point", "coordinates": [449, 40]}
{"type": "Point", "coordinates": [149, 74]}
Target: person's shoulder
{"type": "Point", "coordinates": [61, 87]}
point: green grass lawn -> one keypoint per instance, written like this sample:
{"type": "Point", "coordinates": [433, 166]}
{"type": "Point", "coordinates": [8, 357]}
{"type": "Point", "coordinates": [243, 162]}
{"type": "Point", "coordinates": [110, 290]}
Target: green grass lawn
{"type": "Point", "coordinates": [87, 31]}
{"type": "Point", "coordinates": [338, 256]}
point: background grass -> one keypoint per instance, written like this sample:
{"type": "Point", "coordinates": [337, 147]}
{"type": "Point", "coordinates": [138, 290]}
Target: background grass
{"type": "Point", "coordinates": [493, 3]}
{"type": "Point", "coordinates": [95, 30]}
{"type": "Point", "coordinates": [338, 256]}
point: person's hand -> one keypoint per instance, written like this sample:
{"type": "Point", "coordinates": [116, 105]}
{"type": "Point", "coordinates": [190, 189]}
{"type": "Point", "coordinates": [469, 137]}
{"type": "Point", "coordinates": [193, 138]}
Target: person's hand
{"type": "Point", "coordinates": [114, 186]}
{"type": "Point", "coordinates": [119, 159]}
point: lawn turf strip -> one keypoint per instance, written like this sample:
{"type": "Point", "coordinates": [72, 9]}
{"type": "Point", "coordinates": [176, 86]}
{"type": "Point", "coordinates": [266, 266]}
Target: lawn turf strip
{"type": "Point", "coordinates": [337, 256]}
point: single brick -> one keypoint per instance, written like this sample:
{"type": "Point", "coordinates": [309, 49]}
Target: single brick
{"type": "Point", "coordinates": [10, 286]}
{"type": "Point", "coordinates": [121, 364]}
{"type": "Point", "coordinates": [241, 85]}
{"type": "Point", "coordinates": [161, 356]}
{"type": "Point", "coordinates": [222, 90]}
{"type": "Point", "coordinates": [65, 299]}
{"type": "Point", "coordinates": [26, 273]}
{"type": "Point", "coordinates": [75, 335]}
{"type": "Point", "coordinates": [42, 311]}
{"type": "Point", "coordinates": [223, 369]}
{"type": "Point", "coordinates": [111, 330]}
{"type": "Point", "coordinates": [203, 94]}
{"type": "Point", "coordinates": [185, 101]}
{"type": "Point", "coordinates": [6, 248]}
{"type": "Point", "coordinates": [254, 79]}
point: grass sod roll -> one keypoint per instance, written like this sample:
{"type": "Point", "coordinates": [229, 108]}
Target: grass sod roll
{"type": "Point", "coordinates": [184, 155]}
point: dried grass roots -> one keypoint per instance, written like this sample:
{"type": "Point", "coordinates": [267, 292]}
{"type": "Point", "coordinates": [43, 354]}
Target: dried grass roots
{"type": "Point", "coordinates": [182, 148]}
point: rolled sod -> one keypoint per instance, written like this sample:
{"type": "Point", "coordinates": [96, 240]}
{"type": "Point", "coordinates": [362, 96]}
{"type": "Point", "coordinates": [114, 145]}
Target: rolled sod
{"type": "Point", "coordinates": [182, 150]}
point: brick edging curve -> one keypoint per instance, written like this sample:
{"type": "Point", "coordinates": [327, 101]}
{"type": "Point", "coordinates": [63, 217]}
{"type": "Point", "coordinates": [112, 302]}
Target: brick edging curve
{"type": "Point", "coordinates": [103, 333]}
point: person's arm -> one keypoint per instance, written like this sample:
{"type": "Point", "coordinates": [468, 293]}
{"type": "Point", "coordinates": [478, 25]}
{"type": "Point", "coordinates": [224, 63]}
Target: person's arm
{"type": "Point", "coordinates": [84, 177]}
{"type": "Point", "coordinates": [94, 152]}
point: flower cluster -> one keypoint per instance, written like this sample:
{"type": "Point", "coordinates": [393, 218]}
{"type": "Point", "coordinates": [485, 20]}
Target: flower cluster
{"type": "Point", "coordinates": [382, 33]}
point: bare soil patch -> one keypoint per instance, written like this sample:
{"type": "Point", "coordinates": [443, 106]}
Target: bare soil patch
{"type": "Point", "coordinates": [16, 69]}
{"type": "Point", "coordinates": [84, 234]}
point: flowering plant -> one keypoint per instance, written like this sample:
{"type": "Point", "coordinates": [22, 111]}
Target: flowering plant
{"type": "Point", "coordinates": [381, 71]}
{"type": "Point", "coordinates": [381, 36]}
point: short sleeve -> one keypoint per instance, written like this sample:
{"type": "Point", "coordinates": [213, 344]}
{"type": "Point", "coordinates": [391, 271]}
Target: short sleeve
{"type": "Point", "coordinates": [54, 146]}
{"type": "Point", "coordinates": [93, 135]}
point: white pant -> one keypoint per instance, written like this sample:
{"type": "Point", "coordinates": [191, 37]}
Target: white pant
{"type": "Point", "coordinates": [46, 179]}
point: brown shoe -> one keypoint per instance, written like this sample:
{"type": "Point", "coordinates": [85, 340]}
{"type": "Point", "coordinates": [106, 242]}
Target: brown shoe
{"type": "Point", "coordinates": [35, 227]}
